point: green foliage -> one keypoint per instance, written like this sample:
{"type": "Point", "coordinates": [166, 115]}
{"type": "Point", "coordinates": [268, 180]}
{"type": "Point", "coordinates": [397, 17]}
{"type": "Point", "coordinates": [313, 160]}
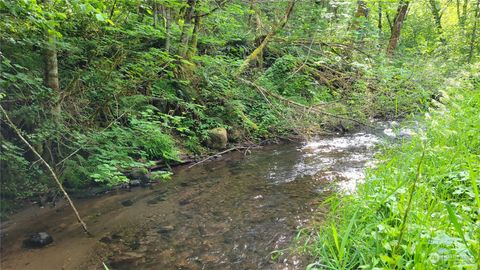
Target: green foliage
{"type": "Point", "coordinates": [287, 77]}
{"type": "Point", "coordinates": [440, 229]}
{"type": "Point", "coordinates": [18, 176]}
{"type": "Point", "coordinates": [115, 151]}
{"type": "Point", "coordinates": [129, 92]}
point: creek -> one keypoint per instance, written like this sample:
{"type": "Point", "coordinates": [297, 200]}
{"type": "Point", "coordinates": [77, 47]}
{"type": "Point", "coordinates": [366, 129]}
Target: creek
{"type": "Point", "coordinates": [231, 213]}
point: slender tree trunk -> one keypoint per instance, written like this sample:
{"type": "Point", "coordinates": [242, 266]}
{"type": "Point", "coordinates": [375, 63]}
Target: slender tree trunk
{"type": "Point", "coordinates": [253, 56]}
{"type": "Point", "coordinates": [155, 14]}
{"type": "Point", "coordinates": [397, 26]}
{"type": "Point", "coordinates": [389, 20]}
{"type": "Point", "coordinates": [192, 48]}
{"type": "Point", "coordinates": [474, 32]}
{"type": "Point", "coordinates": [51, 66]}
{"type": "Point", "coordinates": [50, 77]}
{"type": "Point", "coordinates": [167, 13]}
{"type": "Point", "coordinates": [435, 8]}
{"type": "Point", "coordinates": [362, 12]}
{"type": "Point", "coordinates": [459, 14]}
{"type": "Point", "coordinates": [259, 32]}
{"type": "Point", "coordinates": [187, 28]}
{"type": "Point", "coordinates": [437, 16]}
{"type": "Point", "coordinates": [380, 13]}
{"type": "Point", "coordinates": [463, 19]}
{"type": "Point", "coordinates": [112, 10]}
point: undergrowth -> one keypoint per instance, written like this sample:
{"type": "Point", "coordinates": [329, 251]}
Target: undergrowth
{"type": "Point", "coordinates": [420, 207]}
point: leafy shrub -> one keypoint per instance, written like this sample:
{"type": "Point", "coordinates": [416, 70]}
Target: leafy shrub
{"type": "Point", "coordinates": [113, 152]}
{"type": "Point", "coordinates": [19, 179]}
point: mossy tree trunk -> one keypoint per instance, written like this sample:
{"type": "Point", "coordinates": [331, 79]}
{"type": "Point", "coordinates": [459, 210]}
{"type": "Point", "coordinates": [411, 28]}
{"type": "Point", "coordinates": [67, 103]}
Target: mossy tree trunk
{"type": "Point", "coordinates": [256, 23]}
{"type": "Point", "coordinates": [187, 28]}
{"type": "Point", "coordinates": [397, 26]}
{"type": "Point", "coordinates": [259, 50]}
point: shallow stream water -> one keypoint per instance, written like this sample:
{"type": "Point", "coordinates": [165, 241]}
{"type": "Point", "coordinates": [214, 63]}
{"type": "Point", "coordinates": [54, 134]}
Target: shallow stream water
{"type": "Point", "coordinates": [231, 213]}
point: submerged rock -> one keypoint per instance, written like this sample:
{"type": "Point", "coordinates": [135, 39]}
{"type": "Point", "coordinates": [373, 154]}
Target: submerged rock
{"type": "Point", "coordinates": [138, 176]}
{"type": "Point", "coordinates": [127, 203]}
{"type": "Point", "coordinates": [217, 138]}
{"type": "Point", "coordinates": [127, 260]}
{"type": "Point", "coordinates": [165, 229]}
{"type": "Point", "coordinates": [38, 240]}
{"type": "Point", "coordinates": [134, 183]}
{"type": "Point", "coordinates": [157, 199]}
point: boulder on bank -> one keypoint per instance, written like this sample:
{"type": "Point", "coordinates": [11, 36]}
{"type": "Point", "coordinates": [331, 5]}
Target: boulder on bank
{"type": "Point", "coordinates": [38, 240]}
{"type": "Point", "coordinates": [217, 138]}
{"type": "Point", "coordinates": [139, 177]}
{"type": "Point", "coordinates": [139, 174]}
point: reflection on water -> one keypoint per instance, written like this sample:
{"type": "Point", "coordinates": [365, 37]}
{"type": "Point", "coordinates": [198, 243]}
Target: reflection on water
{"type": "Point", "coordinates": [232, 214]}
{"type": "Point", "coordinates": [227, 214]}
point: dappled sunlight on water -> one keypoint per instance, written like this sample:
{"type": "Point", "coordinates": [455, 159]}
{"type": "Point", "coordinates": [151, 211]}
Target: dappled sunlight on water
{"type": "Point", "coordinates": [226, 214]}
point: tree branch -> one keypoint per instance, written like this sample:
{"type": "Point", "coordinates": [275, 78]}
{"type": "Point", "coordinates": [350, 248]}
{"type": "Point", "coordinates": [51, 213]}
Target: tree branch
{"type": "Point", "coordinates": [19, 134]}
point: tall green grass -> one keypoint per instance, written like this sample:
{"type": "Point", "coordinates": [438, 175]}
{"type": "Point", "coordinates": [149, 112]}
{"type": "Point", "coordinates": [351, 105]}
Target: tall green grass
{"type": "Point", "coordinates": [419, 208]}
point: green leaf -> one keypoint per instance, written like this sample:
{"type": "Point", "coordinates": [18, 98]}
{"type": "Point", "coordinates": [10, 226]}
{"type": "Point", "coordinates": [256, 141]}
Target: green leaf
{"type": "Point", "coordinates": [100, 17]}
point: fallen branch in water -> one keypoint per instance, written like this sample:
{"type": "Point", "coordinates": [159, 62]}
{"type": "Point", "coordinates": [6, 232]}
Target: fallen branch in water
{"type": "Point", "coordinates": [264, 92]}
{"type": "Point", "coordinates": [220, 153]}
{"type": "Point", "coordinates": [19, 134]}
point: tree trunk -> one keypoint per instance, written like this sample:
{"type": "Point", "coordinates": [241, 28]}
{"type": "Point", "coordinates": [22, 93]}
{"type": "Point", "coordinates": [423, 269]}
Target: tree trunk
{"type": "Point", "coordinates": [253, 56]}
{"type": "Point", "coordinates": [50, 78]}
{"type": "Point", "coordinates": [192, 47]}
{"type": "Point", "coordinates": [362, 12]}
{"type": "Point", "coordinates": [51, 66]}
{"type": "Point", "coordinates": [167, 14]}
{"type": "Point", "coordinates": [112, 10]}
{"type": "Point", "coordinates": [474, 32]}
{"type": "Point", "coordinates": [155, 14]}
{"type": "Point", "coordinates": [397, 26]}
{"type": "Point", "coordinates": [187, 28]}
{"type": "Point", "coordinates": [389, 20]}
{"type": "Point", "coordinates": [463, 17]}
{"type": "Point", "coordinates": [259, 32]}
{"type": "Point", "coordinates": [380, 13]}
{"type": "Point", "coordinates": [437, 16]}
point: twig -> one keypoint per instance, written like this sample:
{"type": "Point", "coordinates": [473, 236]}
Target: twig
{"type": "Point", "coordinates": [220, 153]}
{"type": "Point", "coordinates": [19, 134]}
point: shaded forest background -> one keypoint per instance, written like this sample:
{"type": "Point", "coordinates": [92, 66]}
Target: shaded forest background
{"type": "Point", "coordinates": [101, 88]}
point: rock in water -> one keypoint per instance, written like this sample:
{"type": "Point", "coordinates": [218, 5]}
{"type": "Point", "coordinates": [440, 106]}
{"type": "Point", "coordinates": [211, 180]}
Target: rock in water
{"type": "Point", "coordinates": [217, 138]}
{"type": "Point", "coordinates": [134, 183]}
{"type": "Point", "coordinates": [38, 240]}
{"type": "Point", "coordinates": [127, 203]}
{"type": "Point", "coordinates": [139, 174]}
{"type": "Point", "coordinates": [165, 229]}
